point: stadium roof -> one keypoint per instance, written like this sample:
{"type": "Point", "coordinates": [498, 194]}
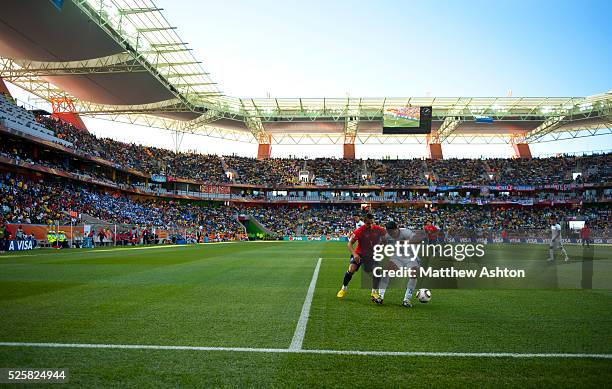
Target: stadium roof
{"type": "Point", "coordinates": [122, 60]}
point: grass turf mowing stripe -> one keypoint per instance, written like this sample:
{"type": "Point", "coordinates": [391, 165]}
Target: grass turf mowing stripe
{"type": "Point", "coordinates": [306, 351]}
{"type": "Point", "coordinates": [300, 329]}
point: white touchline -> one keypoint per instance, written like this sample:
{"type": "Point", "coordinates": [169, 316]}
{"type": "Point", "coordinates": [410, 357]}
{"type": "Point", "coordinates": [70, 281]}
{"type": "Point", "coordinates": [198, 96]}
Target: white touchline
{"type": "Point", "coordinates": [300, 329]}
{"type": "Point", "coordinates": [305, 351]}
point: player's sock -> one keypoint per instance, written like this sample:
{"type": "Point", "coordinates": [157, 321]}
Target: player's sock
{"type": "Point", "coordinates": [564, 253]}
{"type": "Point", "coordinates": [551, 255]}
{"type": "Point", "coordinates": [383, 287]}
{"type": "Point", "coordinates": [347, 278]}
{"type": "Point", "coordinates": [375, 283]}
{"type": "Point", "coordinates": [410, 288]}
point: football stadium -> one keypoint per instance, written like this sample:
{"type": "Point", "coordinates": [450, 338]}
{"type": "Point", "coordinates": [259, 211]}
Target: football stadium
{"type": "Point", "coordinates": [158, 231]}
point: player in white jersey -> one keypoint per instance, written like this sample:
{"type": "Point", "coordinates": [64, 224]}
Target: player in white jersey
{"type": "Point", "coordinates": [555, 240]}
{"type": "Point", "coordinates": [411, 262]}
{"type": "Point", "coordinates": [358, 221]}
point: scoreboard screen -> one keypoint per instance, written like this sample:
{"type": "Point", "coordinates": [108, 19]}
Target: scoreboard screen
{"type": "Point", "coordinates": [407, 120]}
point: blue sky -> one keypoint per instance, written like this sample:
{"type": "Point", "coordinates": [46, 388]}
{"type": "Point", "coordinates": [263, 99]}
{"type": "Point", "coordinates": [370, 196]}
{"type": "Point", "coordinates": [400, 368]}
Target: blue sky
{"type": "Point", "coordinates": [317, 48]}
{"type": "Point", "coordinates": [327, 48]}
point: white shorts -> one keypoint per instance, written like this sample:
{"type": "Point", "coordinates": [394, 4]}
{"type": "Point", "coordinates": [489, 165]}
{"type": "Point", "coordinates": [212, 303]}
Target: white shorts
{"type": "Point", "coordinates": [405, 262]}
{"type": "Point", "coordinates": [556, 244]}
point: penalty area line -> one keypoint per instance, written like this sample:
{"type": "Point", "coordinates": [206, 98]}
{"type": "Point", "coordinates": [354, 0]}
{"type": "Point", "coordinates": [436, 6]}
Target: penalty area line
{"type": "Point", "coordinates": [306, 351]}
{"type": "Point", "coordinates": [300, 329]}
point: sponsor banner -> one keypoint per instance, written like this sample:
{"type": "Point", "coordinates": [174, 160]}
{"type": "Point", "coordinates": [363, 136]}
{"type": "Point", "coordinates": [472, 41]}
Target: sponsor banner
{"type": "Point", "coordinates": [524, 187]}
{"type": "Point", "coordinates": [215, 189]}
{"type": "Point", "coordinates": [158, 178]}
{"type": "Point", "coordinates": [483, 119]}
{"type": "Point", "coordinates": [316, 238]}
{"type": "Point", "coordinates": [39, 231]}
{"type": "Point", "coordinates": [520, 240]}
{"type": "Point", "coordinates": [20, 245]}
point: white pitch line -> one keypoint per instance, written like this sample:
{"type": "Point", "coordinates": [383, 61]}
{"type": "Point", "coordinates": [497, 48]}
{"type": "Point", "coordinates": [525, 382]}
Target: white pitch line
{"type": "Point", "coordinates": [305, 351]}
{"type": "Point", "coordinates": [300, 329]}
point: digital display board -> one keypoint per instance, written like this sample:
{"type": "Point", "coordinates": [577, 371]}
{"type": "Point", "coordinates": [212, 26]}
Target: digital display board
{"type": "Point", "coordinates": [407, 120]}
{"type": "Point", "coordinates": [402, 117]}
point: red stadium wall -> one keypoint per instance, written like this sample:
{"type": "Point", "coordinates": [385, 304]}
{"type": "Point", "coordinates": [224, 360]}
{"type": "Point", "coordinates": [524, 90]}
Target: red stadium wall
{"type": "Point", "coordinates": [349, 151]}
{"type": "Point", "coordinates": [522, 150]}
{"type": "Point", "coordinates": [71, 118]}
{"type": "Point", "coordinates": [3, 88]}
{"type": "Point", "coordinates": [435, 151]}
{"type": "Point", "coordinates": [264, 150]}
{"type": "Point", "coordinates": [39, 231]}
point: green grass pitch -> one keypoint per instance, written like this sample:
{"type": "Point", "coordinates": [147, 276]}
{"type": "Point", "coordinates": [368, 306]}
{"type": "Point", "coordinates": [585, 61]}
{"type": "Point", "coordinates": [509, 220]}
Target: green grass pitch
{"type": "Point", "coordinates": [401, 122]}
{"type": "Point", "coordinates": [250, 295]}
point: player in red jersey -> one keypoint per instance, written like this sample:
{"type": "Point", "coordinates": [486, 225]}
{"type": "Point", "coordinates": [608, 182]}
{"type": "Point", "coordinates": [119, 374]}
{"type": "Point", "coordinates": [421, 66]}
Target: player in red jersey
{"type": "Point", "coordinates": [431, 231]}
{"type": "Point", "coordinates": [585, 234]}
{"type": "Point", "coordinates": [366, 237]}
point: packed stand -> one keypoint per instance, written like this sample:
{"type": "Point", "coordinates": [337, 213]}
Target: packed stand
{"type": "Point", "coordinates": [337, 220]}
{"type": "Point", "coordinates": [458, 171]}
{"type": "Point", "coordinates": [151, 160]}
{"type": "Point", "coordinates": [334, 172]}
{"type": "Point", "coordinates": [397, 172]}
{"type": "Point", "coordinates": [44, 202]}
{"type": "Point", "coordinates": [596, 168]}
{"type": "Point", "coordinates": [535, 171]}
{"type": "Point", "coordinates": [270, 172]}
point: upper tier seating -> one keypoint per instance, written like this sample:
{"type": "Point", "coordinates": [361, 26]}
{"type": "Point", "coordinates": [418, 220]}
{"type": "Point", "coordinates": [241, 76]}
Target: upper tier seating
{"type": "Point", "coordinates": [20, 119]}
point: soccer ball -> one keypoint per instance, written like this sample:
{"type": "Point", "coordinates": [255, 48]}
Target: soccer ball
{"type": "Point", "coordinates": [424, 295]}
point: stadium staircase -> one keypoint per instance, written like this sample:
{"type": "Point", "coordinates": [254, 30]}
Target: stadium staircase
{"type": "Point", "coordinates": [585, 170]}
{"type": "Point", "coordinates": [375, 166]}
{"type": "Point", "coordinates": [227, 169]}
{"type": "Point", "coordinates": [88, 219]}
{"type": "Point", "coordinates": [427, 170]}
{"type": "Point", "coordinates": [487, 171]}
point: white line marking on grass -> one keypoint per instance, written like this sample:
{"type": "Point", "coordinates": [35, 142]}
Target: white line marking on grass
{"type": "Point", "coordinates": [305, 351]}
{"type": "Point", "coordinates": [300, 329]}
{"type": "Point", "coordinates": [139, 248]}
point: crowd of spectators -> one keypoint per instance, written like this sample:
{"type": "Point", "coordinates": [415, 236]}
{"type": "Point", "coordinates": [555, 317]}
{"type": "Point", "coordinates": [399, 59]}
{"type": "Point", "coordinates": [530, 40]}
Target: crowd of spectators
{"type": "Point", "coordinates": [273, 171]}
{"type": "Point", "coordinates": [151, 160]}
{"type": "Point", "coordinates": [27, 201]}
{"type": "Point", "coordinates": [458, 172]}
{"type": "Point", "coordinates": [536, 171]}
{"type": "Point", "coordinates": [398, 172]}
{"type": "Point", "coordinates": [596, 167]}
{"type": "Point", "coordinates": [45, 202]}
{"type": "Point", "coordinates": [337, 220]}
{"type": "Point", "coordinates": [333, 171]}
{"type": "Point", "coordinates": [304, 220]}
